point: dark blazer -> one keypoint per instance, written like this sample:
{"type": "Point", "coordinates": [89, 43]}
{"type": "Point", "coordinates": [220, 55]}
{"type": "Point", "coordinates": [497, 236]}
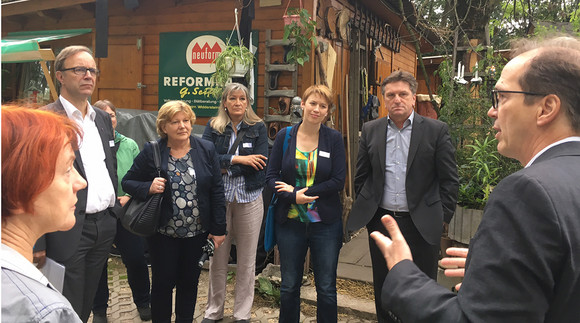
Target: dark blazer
{"type": "Point", "coordinates": [254, 141]}
{"type": "Point", "coordinates": [61, 245]}
{"type": "Point", "coordinates": [210, 188]}
{"type": "Point", "coordinates": [524, 260]}
{"type": "Point", "coordinates": [431, 184]}
{"type": "Point", "coordinates": [328, 180]}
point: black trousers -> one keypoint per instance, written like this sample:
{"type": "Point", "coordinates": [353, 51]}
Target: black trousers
{"type": "Point", "coordinates": [84, 268]}
{"type": "Point", "coordinates": [174, 264]}
{"type": "Point", "coordinates": [132, 250]}
{"type": "Point", "coordinates": [425, 256]}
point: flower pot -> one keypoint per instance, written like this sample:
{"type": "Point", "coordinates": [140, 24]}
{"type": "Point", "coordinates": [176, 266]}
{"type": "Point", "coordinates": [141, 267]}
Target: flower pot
{"type": "Point", "coordinates": [288, 19]}
{"type": "Point", "coordinates": [238, 69]}
{"type": "Point", "coordinates": [464, 224]}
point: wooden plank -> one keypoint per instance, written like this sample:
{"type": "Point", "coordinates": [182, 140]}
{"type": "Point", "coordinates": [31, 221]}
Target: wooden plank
{"type": "Point", "coordinates": [281, 67]}
{"type": "Point", "coordinates": [32, 6]}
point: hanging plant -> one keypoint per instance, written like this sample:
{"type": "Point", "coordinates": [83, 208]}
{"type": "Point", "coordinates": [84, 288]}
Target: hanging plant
{"type": "Point", "coordinates": [234, 61]}
{"type": "Point", "coordinates": [303, 32]}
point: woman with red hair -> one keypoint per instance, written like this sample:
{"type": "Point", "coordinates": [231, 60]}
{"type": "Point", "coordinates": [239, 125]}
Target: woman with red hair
{"type": "Point", "coordinates": [39, 186]}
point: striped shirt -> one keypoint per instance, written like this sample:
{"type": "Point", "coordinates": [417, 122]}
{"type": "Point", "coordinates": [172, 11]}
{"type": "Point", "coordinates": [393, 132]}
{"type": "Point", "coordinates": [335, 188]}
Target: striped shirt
{"type": "Point", "coordinates": [235, 187]}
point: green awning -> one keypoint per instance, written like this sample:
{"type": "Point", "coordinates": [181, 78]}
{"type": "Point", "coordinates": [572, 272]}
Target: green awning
{"type": "Point", "coordinates": [22, 46]}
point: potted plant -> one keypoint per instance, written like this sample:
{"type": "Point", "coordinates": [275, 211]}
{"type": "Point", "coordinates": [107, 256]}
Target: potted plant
{"type": "Point", "coordinates": [303, 32]}
{"type": "Point", "coordinates": [233, 61]}
{"type": "Point", "coordinates": [480, 166]}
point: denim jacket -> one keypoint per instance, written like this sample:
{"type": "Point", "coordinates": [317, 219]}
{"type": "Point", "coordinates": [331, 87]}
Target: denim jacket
{"type": "Point", "coordinates": [255, 141]}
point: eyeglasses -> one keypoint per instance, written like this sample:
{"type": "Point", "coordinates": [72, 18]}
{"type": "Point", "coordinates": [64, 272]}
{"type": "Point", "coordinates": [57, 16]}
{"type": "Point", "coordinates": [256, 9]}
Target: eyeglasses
{"type": "Point", "coordinates": [81, 70]}
{"type": "Point", "coordinates": [495, 96]}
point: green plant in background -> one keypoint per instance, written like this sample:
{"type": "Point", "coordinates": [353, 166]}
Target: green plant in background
{"type": "Point", "coordinates": [269, 290]}
{"type": "Point", "coordinates": [225, 65]}
{"type": "Point", "coordinates": [464, 109]}
{"type": "Point", "coordinates": [304, 35]}
{"type": "Point", "coordinates": [479, 177]}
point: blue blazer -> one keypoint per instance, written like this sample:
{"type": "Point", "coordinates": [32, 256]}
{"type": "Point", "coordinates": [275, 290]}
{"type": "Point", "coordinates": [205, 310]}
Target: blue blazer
{"type": "Point", "coordinates": [328, 180]}
{"type": "Point", "coordinates": [210, 188]}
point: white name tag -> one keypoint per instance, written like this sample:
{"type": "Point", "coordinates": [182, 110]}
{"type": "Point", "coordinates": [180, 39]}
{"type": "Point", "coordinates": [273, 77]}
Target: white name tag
{"type": "Point", "coordinates": [324, 154]}
{"type": "Point", "coordinates": [111, 143]}
{"type": "Point", "coordinates": [247, 145]}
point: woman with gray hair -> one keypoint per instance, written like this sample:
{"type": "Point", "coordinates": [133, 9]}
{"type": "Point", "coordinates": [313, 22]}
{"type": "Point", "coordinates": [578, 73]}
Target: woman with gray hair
{"type": "Point", "coordinates": [241, 143]}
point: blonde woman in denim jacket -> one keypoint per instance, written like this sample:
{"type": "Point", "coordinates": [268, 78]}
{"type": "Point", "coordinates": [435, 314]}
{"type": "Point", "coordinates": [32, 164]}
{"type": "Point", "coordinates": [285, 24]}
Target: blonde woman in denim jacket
{"type": "Point", "coordinates": [244, 174]}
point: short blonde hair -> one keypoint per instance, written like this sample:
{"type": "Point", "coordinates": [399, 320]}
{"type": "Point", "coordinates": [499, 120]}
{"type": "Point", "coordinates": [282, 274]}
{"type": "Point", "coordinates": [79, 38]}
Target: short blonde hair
{"type": "Point", "coordinates": [168, 111]}
{"type": "Point", "coordinates": [321, 90]}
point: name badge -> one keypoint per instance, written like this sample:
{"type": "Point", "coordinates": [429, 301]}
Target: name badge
{"type": "Point", "coordinates": [247, 145]}
{"type": "Point", "coordinates": [111, 143]}
{"type": "Point", "coordinates": [324, 154]}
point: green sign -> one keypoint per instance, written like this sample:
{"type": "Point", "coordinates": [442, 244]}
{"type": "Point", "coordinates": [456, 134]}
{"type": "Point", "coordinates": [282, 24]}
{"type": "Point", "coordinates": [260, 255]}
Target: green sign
{"type": "Point", "coordinates": [186, 65]}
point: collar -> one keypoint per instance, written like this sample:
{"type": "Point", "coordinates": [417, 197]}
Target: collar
{"type": "Point", "coordinates": [73, 113]}
{"type": "Point", "coordinates": [13, 260]}
{"type": "Point", "coordinates": [407, 122]}
{"type": "Point", "coordinates": [559, 142]}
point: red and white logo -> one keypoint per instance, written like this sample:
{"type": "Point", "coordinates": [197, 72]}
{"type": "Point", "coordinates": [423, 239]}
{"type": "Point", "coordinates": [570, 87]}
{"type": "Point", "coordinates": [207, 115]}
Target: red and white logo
{"type": "Point", "coordinates": [202, 51]}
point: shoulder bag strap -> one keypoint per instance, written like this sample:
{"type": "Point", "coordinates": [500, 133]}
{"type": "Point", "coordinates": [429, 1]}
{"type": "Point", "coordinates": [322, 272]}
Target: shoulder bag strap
{"type": "Point", "coordinates": [156, 156]}
{"type": "Point", "coordinates": [286, 139]}
{"type": "Point", "coordinates": [237, 142]}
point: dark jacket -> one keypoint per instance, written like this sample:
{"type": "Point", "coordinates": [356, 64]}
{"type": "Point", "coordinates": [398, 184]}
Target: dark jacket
{"type": "Point", "coordinates": [524, 260]}
{"type": "Point", "coordinates": [255, 141]}
{"type": "Point", "coordinates": [61, 245]}
{"type": "Point", "coordinates": [210, 188]}
{"type": "Point", "coordinates": [329, 178]}
{"type": "Point", "coordinates": [431, 180]}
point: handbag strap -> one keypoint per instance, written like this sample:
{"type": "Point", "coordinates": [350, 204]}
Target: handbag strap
{"type": "Point", "coordinates": [237, 142]}
{"type": "Point", "coordinates": [286, 140]}
{"type": "Point", "coordinates": [156, 156]}
{"type": "Point", "coordinates": [284, 146]}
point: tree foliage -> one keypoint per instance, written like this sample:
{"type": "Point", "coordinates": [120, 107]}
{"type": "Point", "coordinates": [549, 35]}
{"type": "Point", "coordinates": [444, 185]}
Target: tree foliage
{"type": "Point", "coordinates": [506, 19]}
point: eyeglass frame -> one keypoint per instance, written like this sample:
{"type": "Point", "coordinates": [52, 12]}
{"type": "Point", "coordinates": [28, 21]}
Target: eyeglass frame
{"type": "Point", "coordinates": [495, 96]}
{"type": "Point", "coordinates": [94, 71]}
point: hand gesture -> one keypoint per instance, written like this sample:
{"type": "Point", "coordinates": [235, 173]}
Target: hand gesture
{"type": "Point", "coordinates": [458, 260]}
{"type": "Point", "coordinates": [395, 249]}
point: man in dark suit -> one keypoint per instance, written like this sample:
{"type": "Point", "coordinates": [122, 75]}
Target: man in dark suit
{"type": "Point", "coordinates": [524, 261]}
{"type": "Point", "coordinates": [84, 249]}
{"type": "Point", "coordinates": [406, 168]}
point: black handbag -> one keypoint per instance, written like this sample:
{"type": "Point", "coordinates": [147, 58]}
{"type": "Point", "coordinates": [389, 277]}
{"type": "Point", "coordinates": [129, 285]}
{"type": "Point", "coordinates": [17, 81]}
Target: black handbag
{"type": "Point", "coordinates": [142, 217]}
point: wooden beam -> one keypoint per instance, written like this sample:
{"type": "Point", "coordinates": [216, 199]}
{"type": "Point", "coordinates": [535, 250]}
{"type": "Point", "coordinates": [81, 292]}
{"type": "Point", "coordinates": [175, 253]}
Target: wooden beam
{"type": "Point", "coordinates": [89, 7]}
{"type": "Point", "coordinates": [32, 6]}
{"type": "Point", "coordinates": [52, 14]}
{"type": "Point", "coordinates": [49, 81]}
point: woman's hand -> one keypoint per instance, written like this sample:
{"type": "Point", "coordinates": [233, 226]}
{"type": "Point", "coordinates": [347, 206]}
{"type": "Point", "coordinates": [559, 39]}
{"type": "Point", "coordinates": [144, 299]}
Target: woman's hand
{"type": "Point", "coordinates": [217, 240]}
{"type": "Point", "coordinates": [157, 186]}
{"type": "Point", "coordinates": [283, 187]}
{"type": "Point", "coordinates": [123, 199]}
{"type": "Point", "coordinates": [301, 198]}
{"type": "Point", "coordinates": [458, 261]}
{"type": "Point", "coordinates": [257, 161]}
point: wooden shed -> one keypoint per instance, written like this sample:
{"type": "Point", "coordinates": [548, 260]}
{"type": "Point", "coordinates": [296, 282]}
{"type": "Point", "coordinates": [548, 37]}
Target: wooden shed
{"type": "Point", "coordinates": [362, 41]}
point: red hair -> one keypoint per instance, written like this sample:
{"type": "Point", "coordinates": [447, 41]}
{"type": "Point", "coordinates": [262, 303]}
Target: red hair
{"type": "Point", "coordinates": [31, 143]}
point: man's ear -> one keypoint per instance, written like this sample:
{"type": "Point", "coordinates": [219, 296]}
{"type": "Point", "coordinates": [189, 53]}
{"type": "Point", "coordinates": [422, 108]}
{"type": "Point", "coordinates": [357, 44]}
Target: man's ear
{"type": "Point", "coordinates": [549, 110]}
{"type": "Point", "coordinates": [59, 76]}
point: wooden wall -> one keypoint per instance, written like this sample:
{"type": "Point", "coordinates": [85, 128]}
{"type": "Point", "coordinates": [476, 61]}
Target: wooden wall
{"type": "Point", "coordinates": [153, 17]}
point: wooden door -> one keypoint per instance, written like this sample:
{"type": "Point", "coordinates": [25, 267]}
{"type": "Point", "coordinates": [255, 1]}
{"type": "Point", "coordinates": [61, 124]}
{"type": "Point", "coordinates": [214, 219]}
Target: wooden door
{"type": "Point", "coordinates": [121, 76]}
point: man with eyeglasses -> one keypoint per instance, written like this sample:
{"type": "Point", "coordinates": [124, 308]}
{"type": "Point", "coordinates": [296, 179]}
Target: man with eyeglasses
{"type": "Point", "coordinates": [84, 249]}
{"type": "Point", "coordinates": [523, 263]}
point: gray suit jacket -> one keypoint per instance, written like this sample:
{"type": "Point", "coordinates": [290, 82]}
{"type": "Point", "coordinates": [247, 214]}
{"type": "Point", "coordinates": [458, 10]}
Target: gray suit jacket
{"type": "Point", "coordinates": [524, 261]}
{"type": "Point", "coordinates": [61, 245]}
{"type": "Point", "coordinates": [431, 183]}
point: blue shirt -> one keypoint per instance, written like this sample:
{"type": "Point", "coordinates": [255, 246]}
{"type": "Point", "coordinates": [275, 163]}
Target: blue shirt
{"type": "Point", "coordinates": [398, 141]}
{"type": "Point", "coordinates": [235, 187]}
{"type": "Point", "coordinates": [27, 296]}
